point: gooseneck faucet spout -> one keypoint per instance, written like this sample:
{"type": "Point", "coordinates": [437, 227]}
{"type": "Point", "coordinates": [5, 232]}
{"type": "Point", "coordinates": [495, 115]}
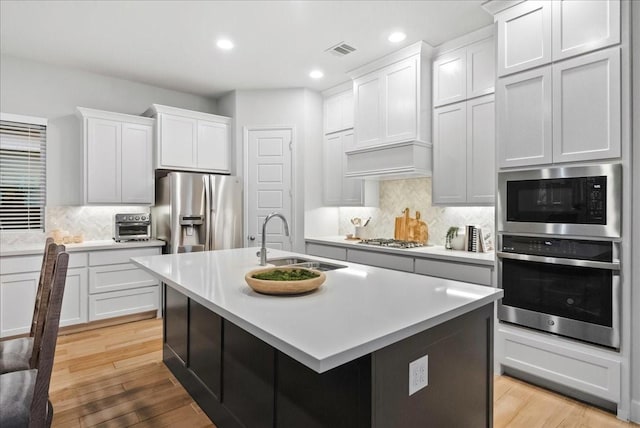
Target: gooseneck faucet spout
{"type": "Point", "coordinates": [263, 250]}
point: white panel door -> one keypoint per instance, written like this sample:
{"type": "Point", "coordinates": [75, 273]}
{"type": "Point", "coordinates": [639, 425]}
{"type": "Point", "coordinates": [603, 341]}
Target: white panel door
{"type": "Point", "coordinates": [524, 118]}
{"type": "Point", "coordinates": [581, 26]}
{"type": "Point", "coordinates": [367, 111]}
{"type": "Point", "coordinates": [586, 107]}
{"type": "Point", "coordinates": [213, 146]}
{"type": "Point", "coordinates": [450, 154]}
{"type": "Point", "coordinates": [268, 185]}
{"type": "Point", "coordinates": [481, 150]}
{"type": "Point", "coordinates": [103, 161]}
{"type": "Point", "coordinates": [524, 36]}
{"type": "Point", "coordinates": [137, 168]}
{"type": "Point", "coordinates": [17, 297]}
{"type": "Point", "coordinates": [75, 301]}
{"type": "Point", "coordinates": [332, 169]}
{"type": "Point", "coordinates": [177, 141]}
{"type": "Point", "coordinates": [481, 68]}
{"type": "Point", "coordinates": [450, 78]}
{"type": "Point", "coordinates": [400, 101]}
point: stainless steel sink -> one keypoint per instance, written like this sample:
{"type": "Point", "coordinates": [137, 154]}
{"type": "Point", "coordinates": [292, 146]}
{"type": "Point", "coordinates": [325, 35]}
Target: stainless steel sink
{"type": "Point", "coordinates": [302, 262]}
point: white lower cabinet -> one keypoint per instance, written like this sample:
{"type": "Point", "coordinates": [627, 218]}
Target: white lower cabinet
{"type": "Point", "coordinates": [99, 285]}
{"type": "Point", "coordinates": [584, 368]}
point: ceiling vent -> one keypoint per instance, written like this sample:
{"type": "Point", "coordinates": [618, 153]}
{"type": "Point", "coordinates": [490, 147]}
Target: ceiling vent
{"type": "Point", "coordinates": [341, 49]}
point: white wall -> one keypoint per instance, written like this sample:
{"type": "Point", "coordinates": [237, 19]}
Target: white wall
{"type": "Point", "coordinates": [635, 280]}
{"type": "Point", "coordinates": [36, 89]}
{"type": "Point", "coordinates": [301, 109]}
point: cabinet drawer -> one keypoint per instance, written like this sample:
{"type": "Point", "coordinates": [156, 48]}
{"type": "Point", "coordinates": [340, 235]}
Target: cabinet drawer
{"type": "Point", "coordinates": [327, 251]}
{"type": "Point", "coordinates": [110, 257]}
{"type": "Point", "coordinates": [118, 277]}
{"type": "Point", "coordinates": [33, 263]}
{"type": "Point", "coordinates": [118, 303]}
{"type": "Point", "coordinates": [388, 261]}
{"type": "Point", "coordinates": [460, 272]}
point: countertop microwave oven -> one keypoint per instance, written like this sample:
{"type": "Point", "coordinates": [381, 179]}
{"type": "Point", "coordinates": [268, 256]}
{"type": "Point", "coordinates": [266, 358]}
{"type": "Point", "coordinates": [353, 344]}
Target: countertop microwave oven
{"type": "Point", "coordinates": [579, 201]}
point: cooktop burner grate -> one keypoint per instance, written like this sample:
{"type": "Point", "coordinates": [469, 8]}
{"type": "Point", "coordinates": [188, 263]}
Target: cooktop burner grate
{"type": "Point", "coordinates": [393, 243]}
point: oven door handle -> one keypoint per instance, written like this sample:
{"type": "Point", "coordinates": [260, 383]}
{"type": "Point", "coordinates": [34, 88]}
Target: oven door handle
{"type": "Point", "coordinates": [615, 266]}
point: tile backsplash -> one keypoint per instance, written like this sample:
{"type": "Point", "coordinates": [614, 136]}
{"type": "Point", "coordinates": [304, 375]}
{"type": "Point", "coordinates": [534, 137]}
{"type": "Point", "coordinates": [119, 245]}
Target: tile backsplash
{"type": "Point", "coordinates": [415, 194]}
{"type": "Point", "coordinates": [94, 223]}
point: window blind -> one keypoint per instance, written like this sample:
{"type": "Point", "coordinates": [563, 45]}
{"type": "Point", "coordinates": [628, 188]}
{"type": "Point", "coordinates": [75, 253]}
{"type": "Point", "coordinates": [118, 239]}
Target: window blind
{"type": "Point", "coordinates": [22, 174]}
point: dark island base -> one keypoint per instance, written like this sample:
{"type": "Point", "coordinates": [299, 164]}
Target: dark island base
{"type": "Point", "coordinates": [240, 381]}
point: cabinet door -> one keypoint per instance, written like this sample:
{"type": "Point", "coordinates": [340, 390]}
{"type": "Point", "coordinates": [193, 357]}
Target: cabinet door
{"type": "Point", "coordinates": [104, 143]}
{"type": "Point", "coordinates": [177, 141]}
{"type": "Point", "coordinates": [450, 154]}
{"type": "Point", "coordinates": [17, 297]}
{"type": "Point", "coordinates": [481, 68]}
{"type": "Point", "coordinates": [524, 118]}
{"type": "Point", "coordinates": [351, 187]}
{"type": "Point", "coordinates": [75, 300]}
{"type": "Point", "coordinates": [346, 107]}
{"type": "Point", "coordinates": [400, 101]}
{"type": "Point", "coordinates": [332, 169]}
{"type": "Point", "coordinates": [481, 150]}
{"type": "Point", "coordinates": [524, 37]}
{"type": "Point", "coordinates": [137, 168]}
{"type": "Point", "coordinates": [213, 146]}
{"type": "Point", "coordinates": [586, 107]}
{"type": "Point", "coordinates": [333, 114]}
{"type": "Point", "coordinates": [581, 26]}
{"type": "Point", "coordinates": [367, 111]}
{"type": "Point", "coordinates": [450, 78]}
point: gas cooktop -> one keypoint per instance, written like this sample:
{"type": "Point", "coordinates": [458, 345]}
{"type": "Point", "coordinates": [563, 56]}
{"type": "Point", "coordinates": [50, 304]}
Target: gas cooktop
{"type": "Point", "coordinates": [392, 243]}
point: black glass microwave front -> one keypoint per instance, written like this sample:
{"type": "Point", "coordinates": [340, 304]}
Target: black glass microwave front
{"type": "Point", "coordinates": [568, 287]}
{"type": "Point", "coordinates": [583, 201]}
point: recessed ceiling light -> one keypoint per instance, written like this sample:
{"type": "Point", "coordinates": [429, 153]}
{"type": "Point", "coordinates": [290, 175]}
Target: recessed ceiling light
{"type": "Point", "coordinates": [316, 74]}
{"type": "Point", "coordinates": [396, 37]}
{"type": "Point", "coordinates": [225, 44]}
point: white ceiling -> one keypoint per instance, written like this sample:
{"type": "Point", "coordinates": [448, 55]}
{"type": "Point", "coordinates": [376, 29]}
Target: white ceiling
{"type": "Point", "coordinates": [171, 44]}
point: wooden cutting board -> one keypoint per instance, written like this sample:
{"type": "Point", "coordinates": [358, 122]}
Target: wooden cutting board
{"type": "Point", "coordinates": [411, 229]}
{"type": "Point", "coordinates": [401, 227]}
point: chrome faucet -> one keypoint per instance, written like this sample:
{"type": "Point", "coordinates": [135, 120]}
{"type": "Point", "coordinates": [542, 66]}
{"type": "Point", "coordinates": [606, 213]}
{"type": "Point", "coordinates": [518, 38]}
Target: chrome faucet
{"type": "Point", "coordinates": [263, 250]}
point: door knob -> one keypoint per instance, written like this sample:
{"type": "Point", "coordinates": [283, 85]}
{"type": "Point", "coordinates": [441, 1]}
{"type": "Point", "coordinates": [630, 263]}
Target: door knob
{"type": "Point", "coordinates": [252, 238]}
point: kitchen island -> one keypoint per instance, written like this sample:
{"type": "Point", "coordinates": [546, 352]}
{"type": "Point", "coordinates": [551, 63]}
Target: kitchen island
{"type": "Point", "coordinates": [336, 357]}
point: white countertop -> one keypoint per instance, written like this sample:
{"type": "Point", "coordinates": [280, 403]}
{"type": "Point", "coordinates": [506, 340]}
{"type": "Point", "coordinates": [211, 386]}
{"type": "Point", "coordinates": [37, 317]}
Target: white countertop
{"type": "Point", "coordinates": [432, 252]}
{"type": "Point", "coordinates": [358, 310]}
{"type": "Point", "coordinates": [24, 250]}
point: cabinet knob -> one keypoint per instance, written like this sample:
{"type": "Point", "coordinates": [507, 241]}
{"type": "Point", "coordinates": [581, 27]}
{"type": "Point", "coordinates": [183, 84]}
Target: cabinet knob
{"type": "Point", "coordinates": [252, 238]}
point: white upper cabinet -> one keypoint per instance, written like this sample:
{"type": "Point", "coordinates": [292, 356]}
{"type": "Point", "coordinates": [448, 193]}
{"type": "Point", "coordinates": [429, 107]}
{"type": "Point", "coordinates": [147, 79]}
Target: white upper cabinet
{"type": "Point", "coordinates": [368, 106]}
{"type": "Point", "coordinates": [117, 153]}
{"type": "Point", "coordinates": [190, 140]}
{"type": "Point", "coordinates": [586, 107]}
{"type": "Point", "coordinates": [400, 86]}
{"type": "Point", "coordinates": [524, 36]}
{"type": "Point", "coordinates": [338, 112]}
{"type": "Point", "coordinates": [581, 26]}
{"type": "Point", "coordinates": [524, 118]}
{"type": "Point", "coordinates": [464, 153]}
{"type": "Point", "coordinates": [464, 73]}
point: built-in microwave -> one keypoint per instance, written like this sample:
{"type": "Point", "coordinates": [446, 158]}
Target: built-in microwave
{"type": "Point", "coordinates": [579, 201]}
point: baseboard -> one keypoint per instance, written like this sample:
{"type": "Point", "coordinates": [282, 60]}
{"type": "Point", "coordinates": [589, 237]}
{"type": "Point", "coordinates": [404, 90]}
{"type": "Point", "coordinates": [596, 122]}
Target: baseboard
{"type": "Point", "coordinates": [635, 411]}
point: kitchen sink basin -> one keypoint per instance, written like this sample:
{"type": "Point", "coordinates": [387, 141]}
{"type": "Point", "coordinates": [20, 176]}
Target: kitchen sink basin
{"type": "Point", "coordinates": [302, 262]}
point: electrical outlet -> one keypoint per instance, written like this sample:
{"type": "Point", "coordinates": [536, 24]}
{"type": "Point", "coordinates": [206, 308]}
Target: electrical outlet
{"type": "Point", "coordinates": [418, 374]}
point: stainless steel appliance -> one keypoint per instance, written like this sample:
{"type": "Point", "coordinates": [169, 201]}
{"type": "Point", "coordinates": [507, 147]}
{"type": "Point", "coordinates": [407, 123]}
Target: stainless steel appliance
{"type": "Point", "coordinates": [198, 212]}
{"type": "Point", "coordinates": [132, 227]}
{"type": "Point", "coordinates": [570, 287]}
{"type": "Point", "coordinates": [579, 201]}
{"type": "Point", "coordinates": [392, 243]}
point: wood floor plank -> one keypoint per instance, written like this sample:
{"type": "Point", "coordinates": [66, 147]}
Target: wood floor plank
{"type": "Point", "coordinates": [114, 377]}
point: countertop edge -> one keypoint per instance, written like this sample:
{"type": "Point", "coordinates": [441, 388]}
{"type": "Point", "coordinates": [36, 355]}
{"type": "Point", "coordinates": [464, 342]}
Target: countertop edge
{"type": "Point", "coordinates": [421, 252]}
{"type": "Point", "coordinates": [86, 246]}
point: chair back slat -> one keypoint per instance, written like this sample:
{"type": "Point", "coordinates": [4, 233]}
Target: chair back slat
{"type": "Point", "coordinates": [45, 258]}
{"type": "Point", "coordinates": [46, 277]}
{"type": "Point", "coordinates": [41, 410]}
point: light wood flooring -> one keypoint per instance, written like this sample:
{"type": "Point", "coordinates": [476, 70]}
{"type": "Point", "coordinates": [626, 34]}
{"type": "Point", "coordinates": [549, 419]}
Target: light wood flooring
{"type": "Point", "coordinates": [114, 377]}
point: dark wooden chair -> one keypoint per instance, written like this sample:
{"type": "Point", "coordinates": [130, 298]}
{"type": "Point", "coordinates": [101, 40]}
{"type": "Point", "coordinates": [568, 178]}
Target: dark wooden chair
{"type": "Point", "coordinates": [24, 395]}
{"type": "Point", "coordinates": [16, 354]}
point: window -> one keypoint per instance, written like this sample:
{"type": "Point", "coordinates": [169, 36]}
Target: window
{"type": "Point", "coordinates": [22, 172]}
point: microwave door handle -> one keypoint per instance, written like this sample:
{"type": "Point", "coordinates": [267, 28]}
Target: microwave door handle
{"type": "Point", "coordinates": [615, 266]}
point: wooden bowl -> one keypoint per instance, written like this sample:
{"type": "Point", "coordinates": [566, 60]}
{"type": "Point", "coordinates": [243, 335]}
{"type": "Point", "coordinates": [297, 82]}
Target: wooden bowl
{"type": "Point", "coordinates": [265, 286]}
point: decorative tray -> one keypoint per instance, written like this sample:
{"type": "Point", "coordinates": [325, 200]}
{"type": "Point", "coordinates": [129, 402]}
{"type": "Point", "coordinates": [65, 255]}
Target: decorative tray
{"type": "Point", "coordinates": [283, 286]}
